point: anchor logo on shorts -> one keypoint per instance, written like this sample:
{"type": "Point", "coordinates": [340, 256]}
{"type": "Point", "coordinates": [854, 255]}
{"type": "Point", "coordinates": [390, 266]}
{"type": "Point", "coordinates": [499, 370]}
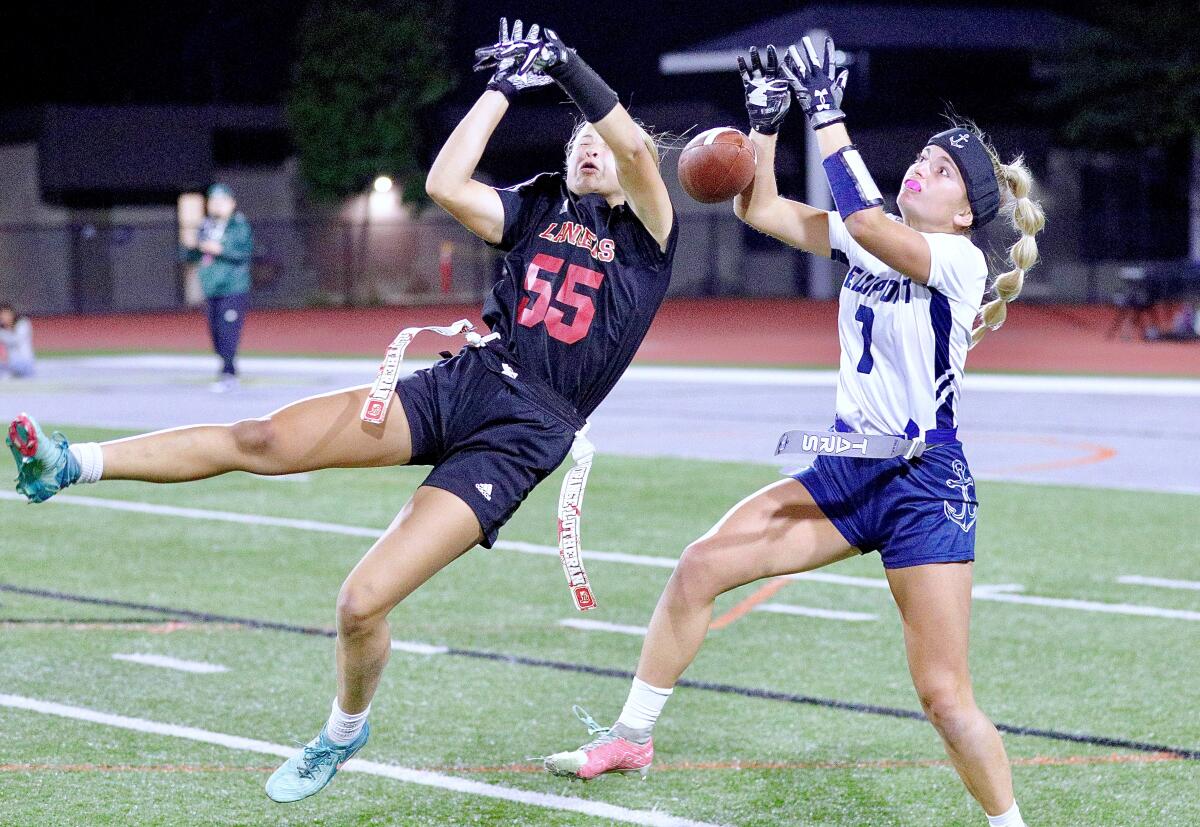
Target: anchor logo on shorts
{"type": "Point", "coordinates": [964, 517]}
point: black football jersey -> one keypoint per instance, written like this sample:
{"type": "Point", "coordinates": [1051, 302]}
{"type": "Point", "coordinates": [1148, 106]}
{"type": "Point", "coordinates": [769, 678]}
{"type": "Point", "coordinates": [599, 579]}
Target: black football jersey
{"type": "Point", "coordinates": [581, 284]}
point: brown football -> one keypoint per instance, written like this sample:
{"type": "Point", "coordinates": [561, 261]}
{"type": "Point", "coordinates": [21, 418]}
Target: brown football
{"type": "Point", "coordinates": [717, 164]}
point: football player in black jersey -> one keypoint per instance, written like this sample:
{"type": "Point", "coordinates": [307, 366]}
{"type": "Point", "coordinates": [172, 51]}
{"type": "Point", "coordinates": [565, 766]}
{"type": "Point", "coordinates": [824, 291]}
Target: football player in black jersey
{"type": "Point", "coordinates": [587, 260]}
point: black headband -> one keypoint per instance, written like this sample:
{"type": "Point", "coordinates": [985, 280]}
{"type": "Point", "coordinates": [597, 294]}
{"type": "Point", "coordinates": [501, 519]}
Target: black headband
{"type": "Point", "coordinates": [975, 164]}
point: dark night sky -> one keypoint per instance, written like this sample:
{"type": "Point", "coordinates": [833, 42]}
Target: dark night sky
{"type": "Point", "coordinates": [239, 50]}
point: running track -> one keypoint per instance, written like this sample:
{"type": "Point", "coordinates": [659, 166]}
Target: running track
{"type": "Point", "coordinates": [1036, 339]}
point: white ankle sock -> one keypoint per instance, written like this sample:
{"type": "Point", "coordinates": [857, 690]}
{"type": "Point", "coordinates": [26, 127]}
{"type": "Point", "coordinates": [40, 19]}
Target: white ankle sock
{"type": "Point", "coordinates": [1012, 818]}
{"type": "Point", "coordinates": [91, 460]}
{"type": "Point", "coordinates": [342, 728]}
{"type": "Point", "coordinates": [644, 705]}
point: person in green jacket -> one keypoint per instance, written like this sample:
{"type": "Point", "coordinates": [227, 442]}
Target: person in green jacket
{"type": "Point", "coordinates": [223, 252]}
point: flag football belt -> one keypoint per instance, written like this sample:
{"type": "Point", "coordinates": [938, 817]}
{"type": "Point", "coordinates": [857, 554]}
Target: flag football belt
{"type": "Point", "coordinates": [375, 408]}
{"type": "Point", "coordinates": [858, 446]}
{"type": "Point", "coordinates": [570, 520]}
{"type": "Point", "coordinates": [570, 497]}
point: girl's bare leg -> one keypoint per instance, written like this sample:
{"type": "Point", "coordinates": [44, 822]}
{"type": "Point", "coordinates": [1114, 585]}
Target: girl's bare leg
{"type": "Point", "coordinates": [433, 529]}
{"type": "Point", "coordinates": [777, 530]}
{"type": "Point", "coordinates": [935, 608]}
{"type": "Point", "coordinates": [319, 432]}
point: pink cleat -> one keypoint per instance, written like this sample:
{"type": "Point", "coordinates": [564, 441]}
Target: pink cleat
{"type": "Point", "coordinates": [616, 749]}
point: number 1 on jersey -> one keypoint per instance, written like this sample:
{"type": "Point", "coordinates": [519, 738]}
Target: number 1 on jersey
{"type": "Point", "coordinates": [866, 316]}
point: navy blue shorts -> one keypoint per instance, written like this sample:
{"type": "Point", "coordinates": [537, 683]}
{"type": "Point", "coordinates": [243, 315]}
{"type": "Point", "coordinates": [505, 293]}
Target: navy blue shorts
{"type": "Point", "coordinates": [912, 511]}
{"type": "Point", "coordinates": [490, 437]}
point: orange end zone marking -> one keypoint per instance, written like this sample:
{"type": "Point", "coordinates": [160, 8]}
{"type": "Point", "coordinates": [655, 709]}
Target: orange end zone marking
{"type": "Point", "coordinates": [1096, 453]}
{"type": "Point", "coordinates": [764, 592]}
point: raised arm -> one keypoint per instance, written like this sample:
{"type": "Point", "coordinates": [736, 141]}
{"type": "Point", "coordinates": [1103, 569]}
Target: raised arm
{"type": "Point", "coordinates": [637, 168]}
{"type": "Point", "coordinates": [898, 246]}
{"type": "Point", "coordinates": [450, 182]}
{"type": "Point", "coordinates": [818, 88]}
{"type": "Point", "coordinates": [792, 222]}
{"type": "Point", "coordinates": [637, 172]}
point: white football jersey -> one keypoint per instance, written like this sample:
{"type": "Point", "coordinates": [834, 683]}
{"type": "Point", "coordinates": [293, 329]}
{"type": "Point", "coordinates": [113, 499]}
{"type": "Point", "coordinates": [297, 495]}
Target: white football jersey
{"type": "Point", "coordinates": [904, 344]}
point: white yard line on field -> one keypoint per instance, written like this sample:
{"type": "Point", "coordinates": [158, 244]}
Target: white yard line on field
{"type": "Point", "coordinates": [418, 648]}
{"type": "Point", "coordinates": [1138, 580]}
{"type": "Point", "coordinates": [206, 514]}
{"type": "Point", "coordinates": [841, 579]}
{"type": "Point", "coordinates": [1091, 606]}
{"type": "Point", "coordinates": [995, 593]}
{"type": "Point", "coordinates": [775, 608]}
{"type": "Point", "coordinates": [808, 611]}
{"type": "Point", "coordinates": [199, 667]}
{"type": "Point", "coordinates": [606, 556]}
{"type": "Point", "coordinates": [549, 801]}
{"type": "Point", "coordinates": [601, 626]}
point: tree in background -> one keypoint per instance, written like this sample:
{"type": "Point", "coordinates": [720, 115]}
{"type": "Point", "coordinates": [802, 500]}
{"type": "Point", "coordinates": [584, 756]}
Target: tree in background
{"type": "Point", "coordinates": [366, 73]}
{"type": "Point", "coordinates": [1134, 80]}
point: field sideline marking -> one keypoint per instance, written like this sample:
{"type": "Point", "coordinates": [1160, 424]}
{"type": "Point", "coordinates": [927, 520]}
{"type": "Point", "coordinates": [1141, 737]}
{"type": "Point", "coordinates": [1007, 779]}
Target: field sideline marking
{"type": "Point", "coordinates": [806, 611]}
{"type": "Point", "coordinates": [983, 592]}
{"type": "Point", "coordinates": [602, 626]}
{"type": "Point", "coordinates": [414, 648]}
{"type": "Point", "coordinates": [1139, 580]}
{"type": "Point", "coordinates": [776, 608]}
{"type": "Point", "coordinates": [996, 382]}
{"type": "Point", "coordinates": [196, 666]}
{"type": "Point", "coordinates": [411, 776]}
{"type": "Point", "coordinates": [609, 672]}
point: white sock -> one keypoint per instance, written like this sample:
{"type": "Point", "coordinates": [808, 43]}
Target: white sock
{"type": "Point", "coordinates": [91, 460]}
{"type": "Point", "coordinates": [1012, 818]}
{"type": "Point", "coordinates": [342, 728]}
{"type": "Point", "coordinates": [644, 705]}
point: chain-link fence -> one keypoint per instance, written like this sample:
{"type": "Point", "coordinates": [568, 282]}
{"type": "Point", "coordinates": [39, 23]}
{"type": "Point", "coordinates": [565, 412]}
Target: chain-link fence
{"type": "Point", "coordinates": [114, 267]}
{"type": "Point", "coordinates": [97, 268]}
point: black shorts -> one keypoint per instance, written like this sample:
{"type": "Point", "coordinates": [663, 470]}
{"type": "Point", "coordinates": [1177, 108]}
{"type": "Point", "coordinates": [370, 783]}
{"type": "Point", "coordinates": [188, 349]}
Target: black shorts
{"type": "Point", "coordinates": [489, 436]}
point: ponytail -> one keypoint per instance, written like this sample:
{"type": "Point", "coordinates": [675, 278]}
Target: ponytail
{"type": "Point", "coordinates": [1027, 220]}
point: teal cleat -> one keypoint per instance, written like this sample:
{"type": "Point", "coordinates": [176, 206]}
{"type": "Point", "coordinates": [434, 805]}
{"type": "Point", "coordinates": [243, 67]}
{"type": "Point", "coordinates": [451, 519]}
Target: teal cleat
{"type": "Point", "coordinates": [315, 766]}
{"type": "Point", "coordinates": [44, 465]}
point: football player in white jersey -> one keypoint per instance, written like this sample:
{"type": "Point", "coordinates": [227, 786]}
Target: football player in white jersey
{"type": "Point", "coordinates": [906, 314]}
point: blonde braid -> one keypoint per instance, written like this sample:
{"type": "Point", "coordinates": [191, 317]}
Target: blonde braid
{"type": "Point", "coordinates": [1027, 219]}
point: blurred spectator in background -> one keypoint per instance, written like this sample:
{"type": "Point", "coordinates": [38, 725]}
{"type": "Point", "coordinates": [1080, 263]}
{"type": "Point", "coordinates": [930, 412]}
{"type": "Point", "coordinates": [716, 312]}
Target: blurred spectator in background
{"type": "Point", "coordinates": [1186, 324]}
{"type": "Point", "coordinates": [223, 248]}
{"type": "Point", "coordinates": [16, 337]}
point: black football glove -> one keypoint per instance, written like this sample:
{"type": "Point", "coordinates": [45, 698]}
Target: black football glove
{"type": "Point", "coordinates": [768, 92]}
{"type": "Point", "coordinates": [506, 58]}
{"type": "Point", "coordinates": [549, 55]}
{"type": "Point", "coordinates": [816, 82]}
